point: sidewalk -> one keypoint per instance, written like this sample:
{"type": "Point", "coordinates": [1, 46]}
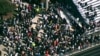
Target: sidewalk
{"type": "Point", "coordinates": [35, 21]}
{"type": "Point", "coordinates": [2, 50]}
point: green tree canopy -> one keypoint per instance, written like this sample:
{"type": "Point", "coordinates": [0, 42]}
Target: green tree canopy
{"type": "Point", "coordinates": [5, 7]}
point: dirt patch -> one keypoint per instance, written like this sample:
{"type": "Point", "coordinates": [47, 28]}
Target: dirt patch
{"type": "Point", "coordinates": [8, 16]}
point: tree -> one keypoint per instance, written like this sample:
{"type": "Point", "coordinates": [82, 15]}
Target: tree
{"type": "Point", "coordinates": [5, 7]}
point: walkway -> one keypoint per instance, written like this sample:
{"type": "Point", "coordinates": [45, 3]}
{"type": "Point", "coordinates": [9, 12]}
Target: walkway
{"type": "Point", "coordinates": [2, 50]}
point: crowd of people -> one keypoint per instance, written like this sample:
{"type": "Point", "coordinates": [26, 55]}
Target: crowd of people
{"type": "Point", "coordinates": [56, 38]}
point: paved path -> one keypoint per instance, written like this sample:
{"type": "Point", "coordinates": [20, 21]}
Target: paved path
{"type": "Point", "coordinates": [2, 50]}
{"type": "Point", "coordinates": [35, 20]}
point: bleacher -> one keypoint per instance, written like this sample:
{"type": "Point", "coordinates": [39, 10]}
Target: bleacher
{"type": "Point", "coordinates": [94, 3]}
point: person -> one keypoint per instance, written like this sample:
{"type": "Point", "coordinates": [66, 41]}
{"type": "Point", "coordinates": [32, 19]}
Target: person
{"type": "Point", "coordinates": [0, 53]}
